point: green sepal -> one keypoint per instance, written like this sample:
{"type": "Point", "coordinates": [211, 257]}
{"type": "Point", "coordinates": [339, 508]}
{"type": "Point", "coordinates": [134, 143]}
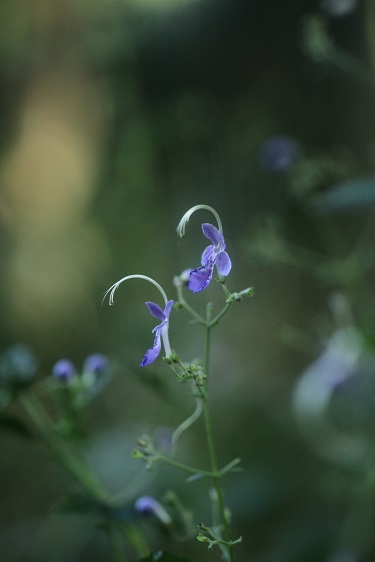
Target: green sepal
{"type": "Point", "coordinates": [249, 292]}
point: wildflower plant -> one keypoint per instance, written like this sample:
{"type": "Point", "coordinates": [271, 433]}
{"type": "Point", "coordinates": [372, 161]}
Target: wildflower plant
{"type": "Point", "coordinates": [218, 533]}
{"type": "Point", "coordinates": [57, 406]}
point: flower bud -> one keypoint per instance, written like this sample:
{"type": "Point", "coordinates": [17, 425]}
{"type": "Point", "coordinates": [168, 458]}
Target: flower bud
{"type": "Point", "coordinates": [147, 505]}
{"type": "Point", "coordinates": [63, 370]}
{"type": "Point", "coordinates": [96, 364]}
{"type": "Point", "coordinates": [182, 280]}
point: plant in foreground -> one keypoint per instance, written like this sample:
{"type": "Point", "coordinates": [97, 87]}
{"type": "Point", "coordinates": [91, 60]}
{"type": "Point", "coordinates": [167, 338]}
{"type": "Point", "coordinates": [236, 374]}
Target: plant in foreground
{"type": "Point", "coordinates": [197, 280]}
{"type": "Point", "coordinates": [70, 390]}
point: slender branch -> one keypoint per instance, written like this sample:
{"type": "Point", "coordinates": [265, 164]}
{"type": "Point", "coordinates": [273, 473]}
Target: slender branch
{"type": "Point", "coordinates": [228, 467]}
{"type": "Point", "coordinates": [115, 542]}
{"type": "Point", "coordinates": [212, 454]}
{"type": "Point", "coordinates": [188, 308]}
{"type": "Point", "coordinates": [137, 540]}
{"type": "Point", "coordinates": [187, 423]}
{"type": "Point", "coordinates": [219, 316]}
{"type": "Point", "coordinates": [186, 467]}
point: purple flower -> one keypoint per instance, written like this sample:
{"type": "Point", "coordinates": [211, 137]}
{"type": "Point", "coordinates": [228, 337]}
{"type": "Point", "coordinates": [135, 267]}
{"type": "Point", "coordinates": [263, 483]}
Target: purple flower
{"type": "Point", "coordinates": [214, 254]}
{"type": "Point", "coordinates": [147, 505]}
{"type": "Point", "coordinates": [96, 364]}
{"type": "Point", "coordinates": [161, 332]}
{"type": "Point", "coordinates": [278, 154]}
{"type": "Point", "coordinates": [63, 370]}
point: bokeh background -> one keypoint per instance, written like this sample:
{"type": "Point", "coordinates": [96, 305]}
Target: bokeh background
{"type": "Point", "coordinates": [116, 117]}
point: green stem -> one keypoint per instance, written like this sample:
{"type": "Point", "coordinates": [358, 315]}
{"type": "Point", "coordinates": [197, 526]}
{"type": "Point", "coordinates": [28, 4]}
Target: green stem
{"type": "Point", "coordinates": [208, 473]}
{"type": "Point", "coordinates": [137, 540]}
{"type": "Point", "coordinates": [212, 453]}
{"type": "Point", "coordinates": [228, 467]}
{"type": "Point", "coordinates": [219, 316]}
{"type": "Point", "coordinates": [187, 423]}
{"type": "Point", "coordinates": [189, 309]}
{"type": "Point", "coordinates": [82, 474]}
{"type": "Point", "coordinates": [115, 543]}
{"type": "Point", "coordinates": [186, 467]}
{"type": "Point", "coordinates": [68, 459]}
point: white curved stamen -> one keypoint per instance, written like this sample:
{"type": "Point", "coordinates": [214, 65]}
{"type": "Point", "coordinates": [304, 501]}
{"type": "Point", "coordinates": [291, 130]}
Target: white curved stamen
{"type": "Point", "coordinates": [111, 290]}
{"type": "Point", "coordinates": [186, 217]}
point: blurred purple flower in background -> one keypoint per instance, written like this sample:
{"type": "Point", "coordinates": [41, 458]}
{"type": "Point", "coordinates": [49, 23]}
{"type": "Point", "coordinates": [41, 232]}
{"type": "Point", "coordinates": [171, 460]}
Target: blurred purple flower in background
{"type": "Point", "coordinates": [63, 370]}
{"type": "Point", "coordinates": [214, 254]}
{"type": "Point", "coordinates": [278, 154]}
{"type": "Point", "coordinates": [96, 364]}
{"type": "Point", "coordinates": [147, 505]}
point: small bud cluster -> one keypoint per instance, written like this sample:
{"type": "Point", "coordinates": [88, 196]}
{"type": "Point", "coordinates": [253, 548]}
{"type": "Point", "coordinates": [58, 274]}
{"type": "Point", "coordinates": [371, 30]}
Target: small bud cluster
{"type": "Point", "coordinates": [145, 451]}
{"type": "Point", "coordinates": [81, 386]}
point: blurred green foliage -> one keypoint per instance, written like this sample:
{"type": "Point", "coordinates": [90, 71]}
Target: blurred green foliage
{"type": "Point", "coordinates": [119, 115]}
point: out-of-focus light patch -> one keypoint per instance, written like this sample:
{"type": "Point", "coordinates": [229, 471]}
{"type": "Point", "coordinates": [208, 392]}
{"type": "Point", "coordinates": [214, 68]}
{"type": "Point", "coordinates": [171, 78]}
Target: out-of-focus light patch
{"type": "Point", "coordinates": [313, 393]}
{"type": "Point", "coordinates": [338, 8]}
{"type": "Point", "coordinates": [162, 4]}
{"type": "Point", "coordinates": [47, 180]}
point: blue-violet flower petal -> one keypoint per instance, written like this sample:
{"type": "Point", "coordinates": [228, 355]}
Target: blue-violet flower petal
{"type": "Point", "coordinates": [201, 277]}
{"type": "Point", "coordinates": [161, 332]}
{"type": "Point", "coordinates": [152, 353]}
{"type": "Point", "coordinates": [223, 263]}
{"type": "Point", "coordinates": [214, 254]}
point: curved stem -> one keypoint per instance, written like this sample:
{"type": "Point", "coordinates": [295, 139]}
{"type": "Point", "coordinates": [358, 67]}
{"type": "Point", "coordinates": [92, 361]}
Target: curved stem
{"type": "Point", "coordinates": [187, 423]}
